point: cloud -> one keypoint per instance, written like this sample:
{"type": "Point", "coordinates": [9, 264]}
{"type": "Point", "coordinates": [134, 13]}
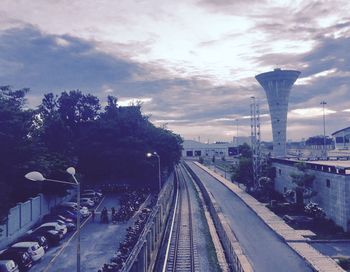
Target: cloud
{"type": "Point", "coordinates": [48, 62]}
{"type": "Point", "coordinates": [193, 61]}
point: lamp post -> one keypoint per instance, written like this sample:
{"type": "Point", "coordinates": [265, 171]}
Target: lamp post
{"type": "Point", "coordinates": [37, 176]}
{"type": "Point", "coordinates": [323, 103]}
{"type": "Point", "coordinates": [155, 154]}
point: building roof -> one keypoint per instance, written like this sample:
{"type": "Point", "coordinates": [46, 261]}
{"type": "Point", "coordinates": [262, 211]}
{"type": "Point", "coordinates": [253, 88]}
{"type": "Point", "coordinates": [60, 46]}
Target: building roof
{"type": "Point", "coordinates": [341, 130]}
{"type": "Point", "coordinates": [343, 166]}
{"type": "Point", "coordinates": [194, 144]}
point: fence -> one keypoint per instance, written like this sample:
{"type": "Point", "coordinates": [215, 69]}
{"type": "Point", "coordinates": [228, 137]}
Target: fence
{"type": "Point", "coordinates": [24, 215]}
{"type": "Point", "coordinates": [144, 254]}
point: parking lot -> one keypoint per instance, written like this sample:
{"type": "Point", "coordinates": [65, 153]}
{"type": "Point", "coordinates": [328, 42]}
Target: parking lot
{"type": "Point", "coordinates": [98, 243]}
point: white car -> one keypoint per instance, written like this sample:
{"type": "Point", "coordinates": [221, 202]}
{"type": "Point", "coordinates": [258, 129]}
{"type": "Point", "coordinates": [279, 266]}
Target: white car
{"type": "Point", "coordinates": [84, 211]}
{"type": "Point", "coordinates": [8, 266]}
{"type": "Point", "coordinates": [94, 192]}
{"type": "Point", "coordinates": [35, 251]}
{"type": "Point", "coordinates": [70, 204]}
{"type": "Point", "coordinates": [85, 201]}
{"type": "Point", "coordinates": [57, 226]}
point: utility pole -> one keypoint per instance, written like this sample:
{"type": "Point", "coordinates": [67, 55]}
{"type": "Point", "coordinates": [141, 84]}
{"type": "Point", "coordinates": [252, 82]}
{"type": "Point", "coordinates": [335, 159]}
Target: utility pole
{"type": "Point", "coordinates": [324, 155]}
{"type": "Point", "coordinates": [255, 139]}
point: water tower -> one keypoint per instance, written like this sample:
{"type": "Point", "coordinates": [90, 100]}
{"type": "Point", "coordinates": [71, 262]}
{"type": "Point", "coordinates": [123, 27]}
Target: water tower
{"type": "Point", "coordinates": [277, 85]}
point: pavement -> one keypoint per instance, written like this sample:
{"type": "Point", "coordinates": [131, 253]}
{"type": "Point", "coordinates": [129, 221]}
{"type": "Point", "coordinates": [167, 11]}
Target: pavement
{"type": "Point", "coordinates": [265, 250]}
{"type": "Point", "coordinates": [98, 243]}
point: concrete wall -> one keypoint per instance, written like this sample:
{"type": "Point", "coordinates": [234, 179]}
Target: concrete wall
{"type": "Point", "coordinates": [333, 191]}
{"type": "Point", "coordinates": [24, 215]}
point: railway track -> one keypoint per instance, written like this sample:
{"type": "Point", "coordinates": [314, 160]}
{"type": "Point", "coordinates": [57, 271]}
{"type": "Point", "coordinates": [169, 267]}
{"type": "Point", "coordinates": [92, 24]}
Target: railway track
{"type": "Point", "coordinates": [180, 256]}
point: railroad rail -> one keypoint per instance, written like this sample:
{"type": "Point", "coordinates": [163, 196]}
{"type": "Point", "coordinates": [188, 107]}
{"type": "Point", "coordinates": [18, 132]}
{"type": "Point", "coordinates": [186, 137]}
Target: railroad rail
{"type": "Point", "coordinates": [180, 255]}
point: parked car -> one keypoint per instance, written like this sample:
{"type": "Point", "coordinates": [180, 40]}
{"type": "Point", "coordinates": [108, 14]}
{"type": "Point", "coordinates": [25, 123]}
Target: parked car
{"type": "Point", "coordinates": [57, 226]}
{"type": "Point", "coordinates": [8, 266]}
{"type": "Point", "coordinates": [40, 239]}
{"type": "Point", "coordinates": [68, 225]}
{"type": "Point", "coordinates": [19, 255]}
{"type": "Point", "coordinates": [87, 202]}
{"type": "Point", "coordinates": [84, 212]}
{"type": "Point", "coordinates": [89, 191]}
{"type": "Point", "coordinates": [35, 251]}
{"type": "Point", "coordinates": [70, 204]}
{"type": "Point", "coordinates": [65, 213]}
{"type": "Point", "coordinates": [54, 217]}
{"type": "Point", "coordinates": [53, 236]}
{"type": "Point", "coordinates": [92, 196]}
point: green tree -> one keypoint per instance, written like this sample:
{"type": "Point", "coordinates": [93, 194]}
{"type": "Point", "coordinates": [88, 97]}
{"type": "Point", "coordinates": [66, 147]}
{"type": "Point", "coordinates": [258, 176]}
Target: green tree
{"type": "Point", "coordinates": [302, 180]}
{"type": "Point", "coordinates": [244, 171]}
{"type": "Point", "coordinates": [15, 146]}
{"type": "Point", "coordinates": [245, 150]}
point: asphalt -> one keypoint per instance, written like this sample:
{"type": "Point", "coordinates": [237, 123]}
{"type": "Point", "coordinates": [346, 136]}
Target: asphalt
{"type": "Point", "coordinates": [98, 243]}
{"type": "Point", "coordinates": [265, 250]}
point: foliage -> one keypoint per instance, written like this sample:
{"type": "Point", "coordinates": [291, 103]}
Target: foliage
{"type": "Point", "coordinates": [303, 181]}
{"type": "Point", "coordinates": [71, 129]}
{"type": "Point", "coordinates": [245, 150]}
{"type": "Point", "coordinates": [318, 140]}
{"type": "Point", "coordinates": [201, 160]}
{"type": "Point", "coordinates": [312, 209]}
{"type": "Point", "coordinates": [244, 171]}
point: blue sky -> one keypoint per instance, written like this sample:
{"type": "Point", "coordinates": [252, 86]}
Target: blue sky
{"type": "Point", "coordinates": [191, 62]}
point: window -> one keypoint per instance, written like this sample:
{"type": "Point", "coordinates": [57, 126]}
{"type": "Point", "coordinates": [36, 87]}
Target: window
{"type": "Point", "coordinates": [328, 183]}
{"type": "Point", "coordinates": [279, 171]}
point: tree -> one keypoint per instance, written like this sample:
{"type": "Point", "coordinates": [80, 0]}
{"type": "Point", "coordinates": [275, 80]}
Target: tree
{"type": "Point", "coordinates": [266, 186]}
{"type": "Point", "coordinates": [244, 171]}
{"type": "Point", "coordinates": [71, 129]}
{"type": "Point", "coordinates": [302, 180]}
{"type": "Point", "coordinates": [245, 150]}
{"type": "Point", "coordinates": [318, 140]}
{"type": "Point", "coordinates": [15, 146]}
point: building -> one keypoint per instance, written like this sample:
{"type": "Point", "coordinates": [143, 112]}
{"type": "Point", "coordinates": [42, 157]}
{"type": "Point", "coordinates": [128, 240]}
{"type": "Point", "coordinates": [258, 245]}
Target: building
{"type": "Point", "coordinates": [342, 139]}
{"type": "Point", "coordinates": [196, 149]}
{"type": "Point", "coordinates": [331, 183]}
{"type": "Point", "coordinates": [277, 85]}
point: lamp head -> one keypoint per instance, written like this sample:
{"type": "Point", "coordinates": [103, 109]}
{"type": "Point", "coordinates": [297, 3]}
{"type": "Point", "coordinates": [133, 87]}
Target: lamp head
{"type": "Point", "coordinates": [149, 155]}
{"type": "Point", "coordinates": [71, 171]}
{"type": "Point", "coordinates": [35, 176]}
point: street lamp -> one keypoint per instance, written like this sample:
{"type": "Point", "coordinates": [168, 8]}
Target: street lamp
{"type": "Point", "coordinates": [155, 154]}
{"type": "Point", "coordinates": [37, 176]}
{"type": "Point", "coordinates": [323, 103]}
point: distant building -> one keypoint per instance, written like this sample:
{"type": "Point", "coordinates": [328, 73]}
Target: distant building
{"type": "Point", "coordinates": [277, 85]}
{"type": "Point", "coordinates": [196, 149]}
{"type": "Point", "coordinates": [332, 184]}
{"type": "Point", "coordinates": [342, 139]}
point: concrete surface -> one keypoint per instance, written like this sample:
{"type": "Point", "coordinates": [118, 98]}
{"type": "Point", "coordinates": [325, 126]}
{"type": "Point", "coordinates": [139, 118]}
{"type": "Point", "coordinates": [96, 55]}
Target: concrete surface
{"type": "Point", "coordinates": [266, 251]}
{"type": "Point", "coordinates": [98, 243]}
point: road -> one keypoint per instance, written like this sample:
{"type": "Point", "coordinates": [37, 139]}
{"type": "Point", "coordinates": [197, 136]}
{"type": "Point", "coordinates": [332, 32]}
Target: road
{"type": "Point", "coordinates": [98, 243]}
{"type": "Point", "coordinates": [266, 251]}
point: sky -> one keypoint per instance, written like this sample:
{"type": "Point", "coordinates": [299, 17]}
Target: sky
{"type": "Point", "coordinates": [191, 63]}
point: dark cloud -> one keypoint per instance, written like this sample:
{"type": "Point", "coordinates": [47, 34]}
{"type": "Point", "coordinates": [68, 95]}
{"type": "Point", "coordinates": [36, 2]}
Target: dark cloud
{"type": "Point", "coordinates": [48, 62]}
